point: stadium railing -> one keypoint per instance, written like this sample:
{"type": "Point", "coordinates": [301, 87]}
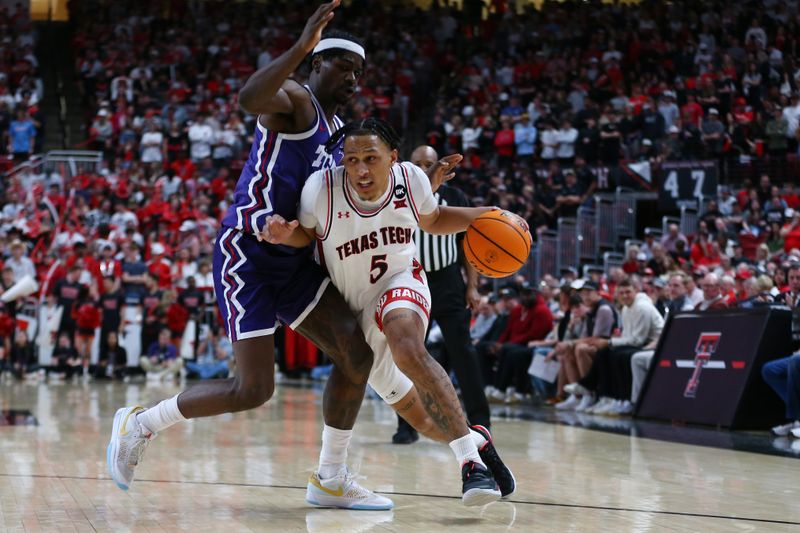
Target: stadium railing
{"type": "Point", "coordinates": [567, 247]}
{"type": "Point", "coordinates": [586, 234]}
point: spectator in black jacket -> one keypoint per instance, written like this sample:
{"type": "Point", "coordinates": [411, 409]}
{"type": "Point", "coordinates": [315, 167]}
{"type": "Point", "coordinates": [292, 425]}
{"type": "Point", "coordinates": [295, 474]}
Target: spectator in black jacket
{"type": "Point", "coordinates": [113, 358]}
{"type": "Point", "coordinates": [486, 345]}
{"type": "Point", "coordinates": [22, 360]}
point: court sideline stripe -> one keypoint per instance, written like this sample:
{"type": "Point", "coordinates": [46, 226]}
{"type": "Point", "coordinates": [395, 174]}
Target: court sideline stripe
{"type": "Point", "coordinates": [419, 495]}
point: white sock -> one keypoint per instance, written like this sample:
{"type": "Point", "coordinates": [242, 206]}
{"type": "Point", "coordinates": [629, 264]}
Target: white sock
{"type": "Point", "coordinates": [477, 438]}
{"type": "Point", "coordinates": [466, 450]}
{"type": "Point", "coordinates": [161, 416]}
{"type": "Point", "coordinates": [333, 455]}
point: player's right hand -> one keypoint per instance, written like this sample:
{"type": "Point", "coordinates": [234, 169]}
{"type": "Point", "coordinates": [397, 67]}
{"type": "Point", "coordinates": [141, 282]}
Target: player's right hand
{"type": "Point", "coordinates": [312, 33]}
{"type": "Point", "coordinates": [443, 170]}
{"type": "Point", "coordinates": [276, 230]}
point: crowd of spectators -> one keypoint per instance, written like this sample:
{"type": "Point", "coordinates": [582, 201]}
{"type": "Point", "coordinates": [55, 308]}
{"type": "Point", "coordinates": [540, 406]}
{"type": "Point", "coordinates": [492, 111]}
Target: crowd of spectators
{"type": "Point", "coordinates": [161, 80]}
{"type": "Point", "coordinates": [546, 111]}
{"type": "Point", "coordinates": [21, 88]}
{"type": "Point", "coordinates": [603, 329]}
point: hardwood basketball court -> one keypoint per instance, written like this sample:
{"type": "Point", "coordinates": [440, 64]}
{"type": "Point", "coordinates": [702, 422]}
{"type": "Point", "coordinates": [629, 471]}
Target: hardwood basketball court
{"type": "Point", "coordinates": [247, 472]}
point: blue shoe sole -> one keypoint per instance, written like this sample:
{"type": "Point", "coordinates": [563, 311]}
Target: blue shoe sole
{"type": "Point", "coordinates": [108, 464]}
{"type": "Point", "coordinates": [108, 455]}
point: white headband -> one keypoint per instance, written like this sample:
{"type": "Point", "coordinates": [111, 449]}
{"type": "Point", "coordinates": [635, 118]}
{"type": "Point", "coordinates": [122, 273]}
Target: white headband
{"type": "Point", "coordinates": [342, 44]}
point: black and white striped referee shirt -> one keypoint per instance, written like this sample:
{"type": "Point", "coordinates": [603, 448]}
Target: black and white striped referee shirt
{"type": "Point", "coordinates": [436, 252]}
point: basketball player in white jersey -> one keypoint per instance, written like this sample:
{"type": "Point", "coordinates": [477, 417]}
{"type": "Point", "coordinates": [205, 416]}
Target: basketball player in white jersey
{"type": "Point", "coordinates": [363, 215]}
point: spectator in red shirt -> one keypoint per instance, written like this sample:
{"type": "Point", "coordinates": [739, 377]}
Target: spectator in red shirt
{"type": "Point", "coordinates": [791, 233]}
{"type": "Point", "coordinates": [159, 267]}
{"type": "Point", "coordinates": [183, 166]}
{"type": "Point", "coordinates": [504, 142]}
{"type": "Point", "coordinates": [692, 109]}
{"type": "Point", "coordinates": [631, 264]}
{"type": "Point", "coordinates": [529, 321]}
{"type": "Point", "coordinates": [87, 318]}
{"type": "Point", "coordinates": [790, 196]}
{"type": "Point", "coordinates": [704, 252]}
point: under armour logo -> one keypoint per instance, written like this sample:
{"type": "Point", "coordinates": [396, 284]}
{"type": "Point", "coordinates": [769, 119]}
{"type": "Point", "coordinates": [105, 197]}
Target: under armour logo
{"type": "Point", "coordinates": [400, 203]}
{"type": "Point", "coordinates": [343, 214]}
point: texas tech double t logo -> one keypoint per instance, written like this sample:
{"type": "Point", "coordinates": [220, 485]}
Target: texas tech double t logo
{"type": "Point", "coordinates": [706, 346]}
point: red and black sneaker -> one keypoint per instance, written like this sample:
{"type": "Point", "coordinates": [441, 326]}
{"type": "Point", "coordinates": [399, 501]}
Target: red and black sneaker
{"type": "Point", "coordinates": [502, 474]}
{"type": "Point", "coordinates": [478, 486]}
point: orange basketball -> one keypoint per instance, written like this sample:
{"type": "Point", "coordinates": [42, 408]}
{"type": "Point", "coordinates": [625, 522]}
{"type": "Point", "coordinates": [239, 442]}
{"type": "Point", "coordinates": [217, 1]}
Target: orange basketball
{"type": "Point", "coordinates": [496, 244]}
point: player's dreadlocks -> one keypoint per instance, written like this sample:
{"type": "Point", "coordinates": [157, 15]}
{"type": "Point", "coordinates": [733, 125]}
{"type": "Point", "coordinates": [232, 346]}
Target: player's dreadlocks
{"type": "Point", "coordinates": [367, 126]}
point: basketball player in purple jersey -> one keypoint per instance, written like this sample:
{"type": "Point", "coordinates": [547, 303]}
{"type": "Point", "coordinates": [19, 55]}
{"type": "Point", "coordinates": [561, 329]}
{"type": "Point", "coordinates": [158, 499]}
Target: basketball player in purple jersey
{"type": "Point", "coordinates": [259, 284]}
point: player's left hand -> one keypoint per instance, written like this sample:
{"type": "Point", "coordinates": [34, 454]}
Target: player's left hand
{"type": "Point", "coordinates": [276, 230]}
{"type": "Point", "coordinates": [519, 220]}
{"type": "Point", "coordinates": [443, 170]}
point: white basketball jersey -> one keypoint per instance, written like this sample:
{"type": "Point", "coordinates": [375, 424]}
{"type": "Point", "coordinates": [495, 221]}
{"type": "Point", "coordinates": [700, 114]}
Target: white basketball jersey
{"type": "Point", "coordinates": [365, 244]}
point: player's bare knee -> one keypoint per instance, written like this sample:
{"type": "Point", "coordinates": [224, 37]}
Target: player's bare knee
{"type": "Point", "coordinates": [360, 355]}
{"type": "Point", "coordinates": [251, 394]}
{"type": "Point", "coordinates": [353, 355]}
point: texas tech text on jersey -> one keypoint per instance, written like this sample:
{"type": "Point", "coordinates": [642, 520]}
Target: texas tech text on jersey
{"type": "Point", "coordinates": [388, 235]}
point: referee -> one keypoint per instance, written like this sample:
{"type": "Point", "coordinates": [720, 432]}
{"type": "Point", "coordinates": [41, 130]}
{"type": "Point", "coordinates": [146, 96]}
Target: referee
{"type": "Point", "coordinates": [442, 258]}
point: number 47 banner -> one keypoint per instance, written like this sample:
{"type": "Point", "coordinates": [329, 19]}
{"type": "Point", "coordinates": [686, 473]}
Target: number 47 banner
{"type": "Point", "coordinates": [686, 183]}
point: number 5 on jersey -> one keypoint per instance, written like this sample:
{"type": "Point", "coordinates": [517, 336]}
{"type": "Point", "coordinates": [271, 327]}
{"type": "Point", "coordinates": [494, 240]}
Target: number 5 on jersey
{"type": "Point", "coordinates": [380, 265]}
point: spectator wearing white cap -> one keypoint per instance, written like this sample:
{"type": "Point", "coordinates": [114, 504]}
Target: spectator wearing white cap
{"type": "Point", "coordinates": [102, 131]}
{"type": "Point", "coordinates": [159, 266]}
{"type": "Point", "coordinates": [188, 237]}
{"type": "Point", "coordinates": [648, 153]}
{"type": "Point", "coordinates": [673, 146]}
{"type": "Point", "coordinates": [19, 262]}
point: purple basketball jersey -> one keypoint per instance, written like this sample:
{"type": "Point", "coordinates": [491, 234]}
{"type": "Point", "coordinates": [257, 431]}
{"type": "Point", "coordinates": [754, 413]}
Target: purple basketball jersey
{"type": "Point", "coordinates": [260, 284]}
{"type": "Point", "coordinates": [275, 172]}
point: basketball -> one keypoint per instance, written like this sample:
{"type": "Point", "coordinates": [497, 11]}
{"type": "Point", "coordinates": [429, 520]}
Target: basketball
{"type": "Point", "coordinates": [496, 244]}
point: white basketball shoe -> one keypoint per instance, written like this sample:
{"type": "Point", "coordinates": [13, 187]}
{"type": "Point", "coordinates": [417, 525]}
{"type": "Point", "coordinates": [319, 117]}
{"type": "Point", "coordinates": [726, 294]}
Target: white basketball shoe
{"type": "Point", "coordinates": [344, 492]}
{"type": "Point", "coordinates": [129, 440]}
